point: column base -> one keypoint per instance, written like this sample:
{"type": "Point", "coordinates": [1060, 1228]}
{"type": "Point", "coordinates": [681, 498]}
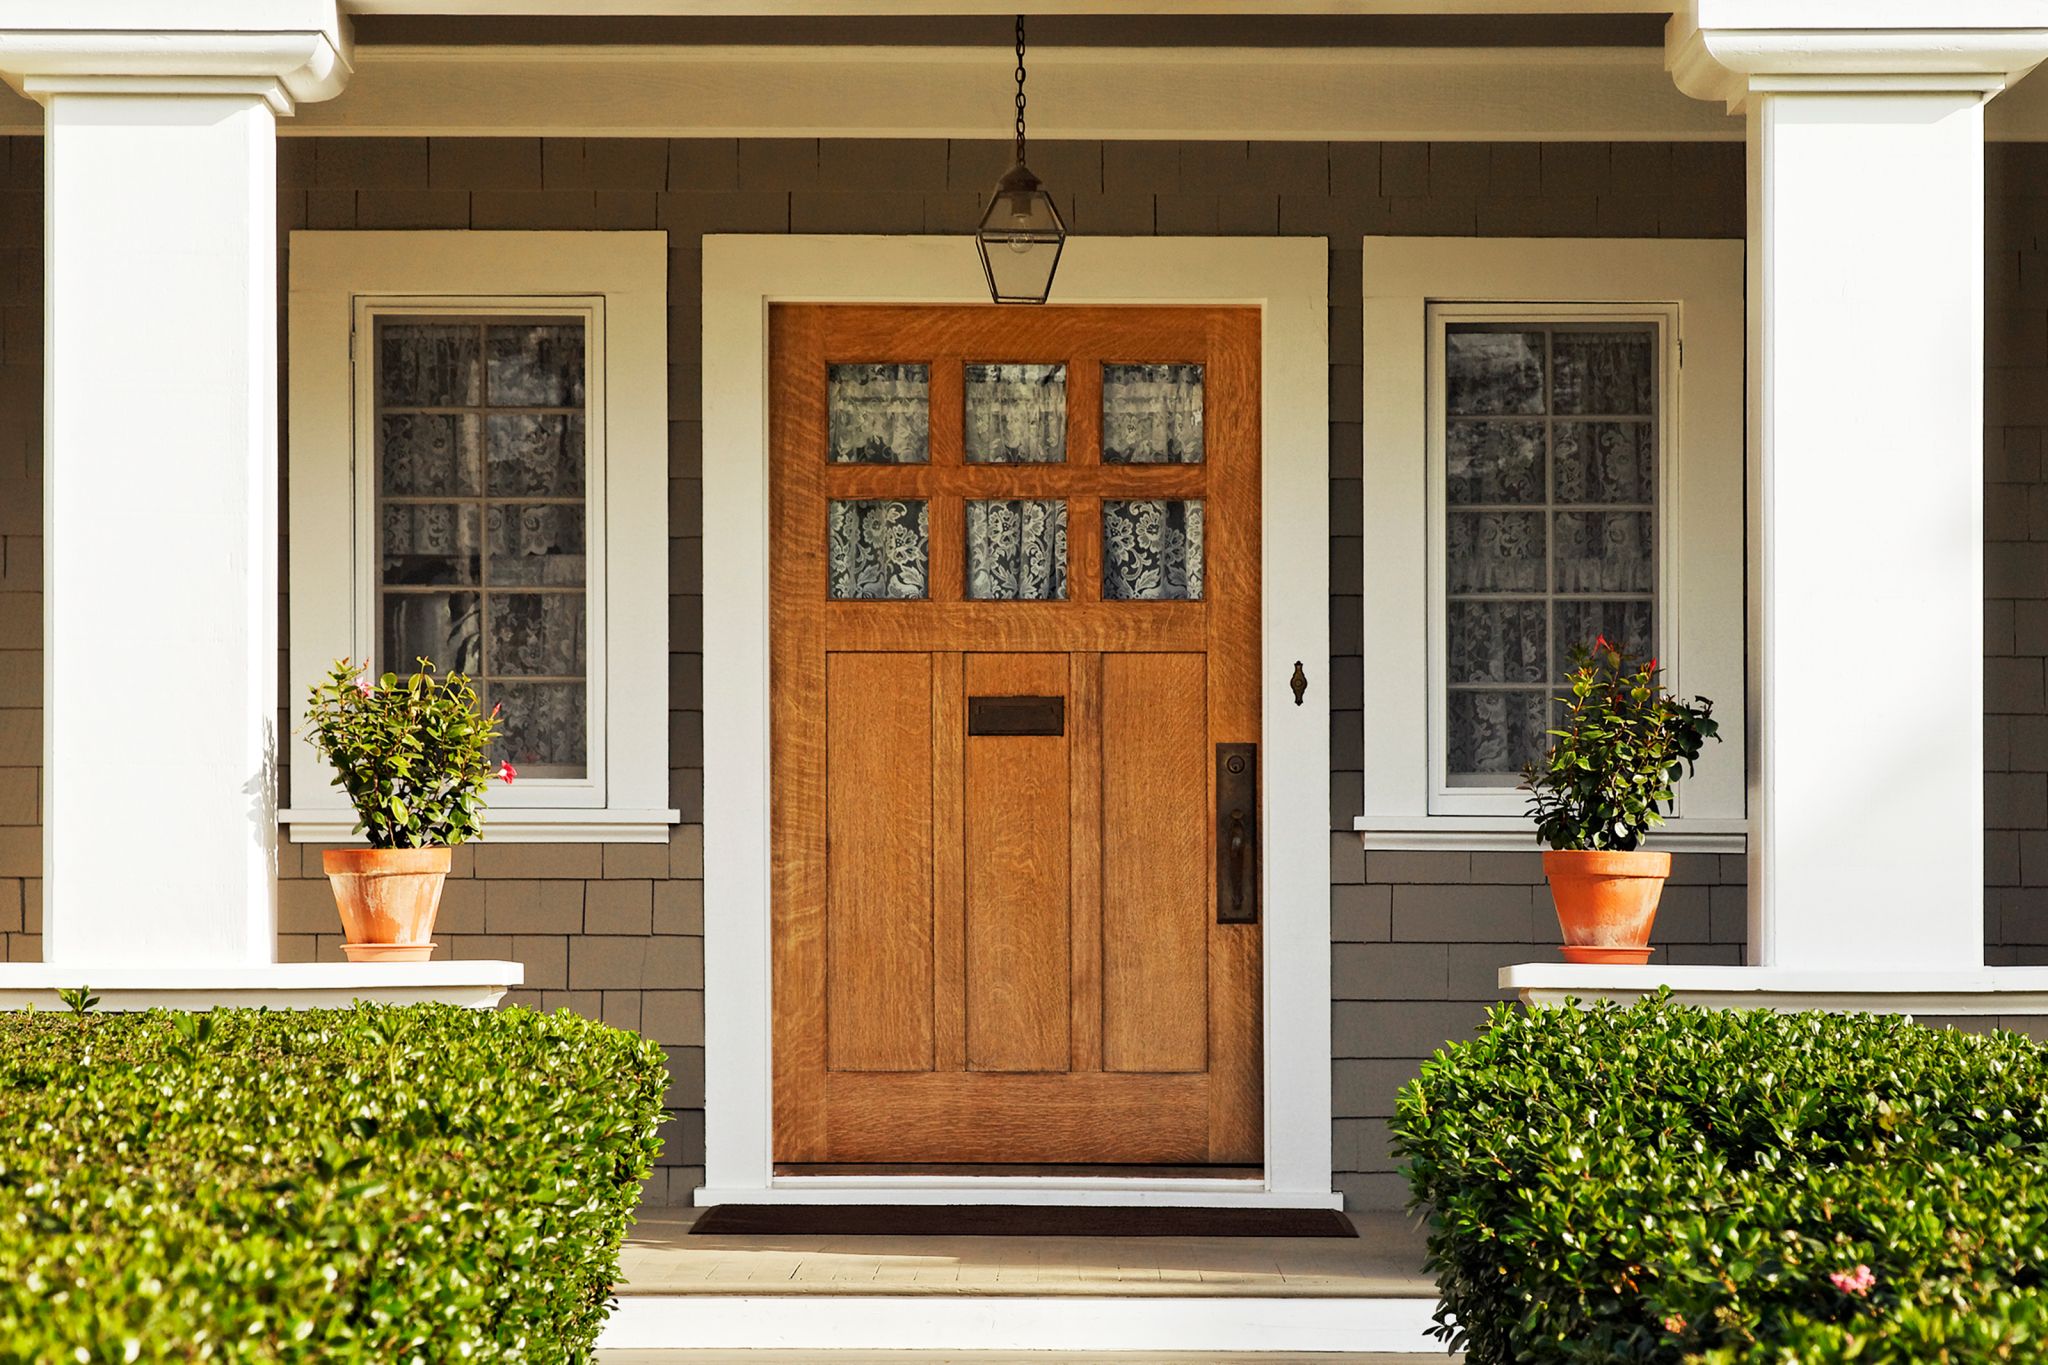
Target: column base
{"type": "Point", "coordinates": [277, 985]}
{"type": "Point", "coordinates": [1978, 992]}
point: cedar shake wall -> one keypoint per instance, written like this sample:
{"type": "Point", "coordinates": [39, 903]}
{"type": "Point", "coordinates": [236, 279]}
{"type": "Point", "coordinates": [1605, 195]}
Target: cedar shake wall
{"type": "Point", "coordinates": [615, 930]}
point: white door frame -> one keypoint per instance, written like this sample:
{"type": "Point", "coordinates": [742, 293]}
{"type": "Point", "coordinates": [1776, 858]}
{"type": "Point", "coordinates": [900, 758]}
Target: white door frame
{"type": "Point", "coordinates": [1288, 279]}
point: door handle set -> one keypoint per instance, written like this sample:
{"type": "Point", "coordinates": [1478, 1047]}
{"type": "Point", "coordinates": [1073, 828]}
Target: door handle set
{"type": "Point", "coordinates": [1237, 834]}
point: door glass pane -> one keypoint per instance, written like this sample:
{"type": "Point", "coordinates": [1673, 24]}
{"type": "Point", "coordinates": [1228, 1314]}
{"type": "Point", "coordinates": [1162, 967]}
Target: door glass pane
{"type": "Point", "coordinates": [1016, 414]}
{"type": "Point", "coordinates": [879, 414]}
{"type": "Point", "coordinates": [481, 476]}
{"type": "Point", "coordinates": [1151, 414]}
{"type": "Point", "coordinates": [1152, 550]}
{"type": "Point", "coordinates": [877, 548]}
{"type": "Point", "coordinates": [1017, 551]}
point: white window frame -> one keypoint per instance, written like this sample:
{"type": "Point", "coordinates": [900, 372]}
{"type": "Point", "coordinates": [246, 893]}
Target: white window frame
{"type": "Point", "coordinates": [617, 284]}
{"type": "Point", "coordinates": [1505, 800]}
{"type": "Point", "coordinates": [1413, 288]}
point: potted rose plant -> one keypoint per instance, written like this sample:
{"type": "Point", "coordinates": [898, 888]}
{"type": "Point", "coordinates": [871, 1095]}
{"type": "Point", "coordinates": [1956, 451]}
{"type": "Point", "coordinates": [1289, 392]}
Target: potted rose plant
{"type": "Point", "coordinates": [1602, 787]}
{"type": "Point", "coordinates": [412, 754]}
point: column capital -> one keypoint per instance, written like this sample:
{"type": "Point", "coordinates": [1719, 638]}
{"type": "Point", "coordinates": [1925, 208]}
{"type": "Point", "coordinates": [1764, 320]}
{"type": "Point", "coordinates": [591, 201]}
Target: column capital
{"type": "Point", "coordinates": [283, 51]}
{"type": "Point", "coordinates": [1726, 49]}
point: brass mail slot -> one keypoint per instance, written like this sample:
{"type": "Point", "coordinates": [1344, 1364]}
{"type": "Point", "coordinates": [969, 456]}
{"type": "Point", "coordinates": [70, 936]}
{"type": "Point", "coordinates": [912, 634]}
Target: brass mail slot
{"type": "Point", "coordinates": [1016, 715]}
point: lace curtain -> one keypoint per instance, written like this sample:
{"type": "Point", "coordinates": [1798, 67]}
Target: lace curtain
{"type": "Point", "coordinates": [877, 548]}
{"type": "Point", "coordinates": [879, 414]}
{"type": "Point", "coordinates": [1016, 414]}
{"type": "Point", "coordinates": [1152, 550]}
{"type": "Point", "coordinates": [1151, 414]}
{"type": "Point", "coordinates": [1017, 551]}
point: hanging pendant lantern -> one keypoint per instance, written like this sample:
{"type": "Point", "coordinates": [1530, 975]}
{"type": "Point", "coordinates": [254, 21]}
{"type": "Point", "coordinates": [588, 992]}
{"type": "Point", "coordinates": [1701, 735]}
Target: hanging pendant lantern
{"type": "Point", "coordinates": [1021, 233]}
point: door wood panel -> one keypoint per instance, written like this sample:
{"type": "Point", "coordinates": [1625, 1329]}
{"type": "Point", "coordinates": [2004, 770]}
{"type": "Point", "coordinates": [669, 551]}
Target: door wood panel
{"type": "Point", "coordinates": [1001, 948]}
{"type": "Point", "coordinates": [1017, 836]}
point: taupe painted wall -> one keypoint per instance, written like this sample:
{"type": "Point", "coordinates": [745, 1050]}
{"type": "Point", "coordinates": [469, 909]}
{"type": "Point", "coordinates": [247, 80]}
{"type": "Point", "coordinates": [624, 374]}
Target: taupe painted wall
{"type": "Point", "coordinates": [614, 931]}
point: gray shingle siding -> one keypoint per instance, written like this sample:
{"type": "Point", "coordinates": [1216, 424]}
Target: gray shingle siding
{"type": "Point", "coordinates": [615, 930]}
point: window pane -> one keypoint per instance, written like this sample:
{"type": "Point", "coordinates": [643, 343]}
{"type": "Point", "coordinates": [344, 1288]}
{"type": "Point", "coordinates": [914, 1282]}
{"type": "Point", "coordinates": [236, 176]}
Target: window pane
{"type": "Point", "coordinates": [537, 635]}
{"type": "Point", "coordinates": [432, 542]}
{"type": "Point", "coordinates": [1602, 372]}
{"type": "Point", "coordinates": [533, 365]}
{"type": "Point", "coordinates": [1494, 551]}
{"type": "Point", "coordinates": [1151, 414]}
{"type": "Point", "coordinates": [429, 453]}
{"type": "Point", "coordinates": [1493, 371]}
{"type": "Point", "coordinates": [1017, 551]}
{"type": "Point", "coordinates": [488, 493]}
{"type": "Point", "coordinates": [1605, 552]}
{"type": "Point", "coordinates": [1579, 624]}
{"type": "Point", "coordinates": [1497, 734]}
{"type": "Point", "coordinates": [1152, 550]}
{"type": "Point", "coordinates": [1016, 414]}
{"type": "Point", "coordinates": [1493, 462]}
{"type": "Point", "coordinates": [1606, 461]}
{"type": "Point", "coordinates": [877, 548]}
{"type": "Point", "coordinates": [444, 628]}
{"type": "Point", "coordinates": [427, 365]}
{"type": "Point", "coordinates": [1497, 642]}
{"type": "Point", "coordinates": [541, 728]}
{"type": "Point", "coordinates": [536, 544]}
{"type": "Point", "coordinates": [879, 414]}
{"type": "Point", "coordinates": [536, 455]}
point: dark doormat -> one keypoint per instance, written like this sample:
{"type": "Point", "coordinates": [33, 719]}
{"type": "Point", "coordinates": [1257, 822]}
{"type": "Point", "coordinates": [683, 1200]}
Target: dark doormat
{"type": "Point", "coordinates": [1012, 1220]}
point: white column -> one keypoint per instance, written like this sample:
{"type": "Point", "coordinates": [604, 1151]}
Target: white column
{"type": "Point", "coordinates": [1866, 245]}
{"type": "Point", "coordinates": [161, 465]}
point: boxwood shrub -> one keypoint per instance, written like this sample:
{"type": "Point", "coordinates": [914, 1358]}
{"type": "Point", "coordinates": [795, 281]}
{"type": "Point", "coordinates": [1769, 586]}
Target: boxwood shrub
{"type": "Point", "coordinates": [1666, 1184]}
{"type": "Point", "coordinates": [417, 1183]}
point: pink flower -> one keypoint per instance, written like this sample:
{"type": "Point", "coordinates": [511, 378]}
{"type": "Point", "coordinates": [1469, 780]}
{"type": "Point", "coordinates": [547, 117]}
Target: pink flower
{"type": "Point", "coordinates": [506, 772]}
{"type": "Point", "coordinates": [1857, 1281]}
{"type": "Point", "coordinates": [363, 685]}
{"type": "Point", "coordinates": [1674, 1324]}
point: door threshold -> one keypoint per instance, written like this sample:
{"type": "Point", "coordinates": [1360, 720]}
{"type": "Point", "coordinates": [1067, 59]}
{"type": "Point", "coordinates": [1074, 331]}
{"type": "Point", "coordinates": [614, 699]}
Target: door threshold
{"type": "Point", "coordinates": [1110, 1191]}
{"type": "Point", "coordinates": [954, 1170]}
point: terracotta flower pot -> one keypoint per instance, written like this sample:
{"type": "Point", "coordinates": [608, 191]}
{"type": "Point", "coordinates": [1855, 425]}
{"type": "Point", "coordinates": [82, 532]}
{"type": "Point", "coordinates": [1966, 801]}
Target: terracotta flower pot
{"type": "Point", "coordinates": [1606, 902]}
{"type": "Point", "coordinates": [388, 898]}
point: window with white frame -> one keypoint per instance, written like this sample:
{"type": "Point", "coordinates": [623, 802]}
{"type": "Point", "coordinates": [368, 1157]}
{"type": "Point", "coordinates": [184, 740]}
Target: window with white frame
{"type": "Point", "coordinates": [478, 468]}
{"type": "Point", "coordinates": [480, 453]}
{"type": "Point", "coordinates": [1553, 453]}
{"type": "Point", "coordinates": [1544, 461]}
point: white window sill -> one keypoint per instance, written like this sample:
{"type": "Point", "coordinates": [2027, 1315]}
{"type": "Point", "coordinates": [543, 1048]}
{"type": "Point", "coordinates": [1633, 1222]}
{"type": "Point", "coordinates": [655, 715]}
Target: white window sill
{"type": "Point", "coordinates": [1514, 834]}
{"type": "Point", "coordinates": [509, 826]}
{"type": "Point", "coordinates": [1979, 991]}
{"type": "Point", "coordinates": [478, 984]}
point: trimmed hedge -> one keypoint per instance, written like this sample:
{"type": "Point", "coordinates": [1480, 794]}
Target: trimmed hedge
{"type": "Point", "coordinates": [1666, 1184]}
{"type": "Point", "coordinates": [418, 1183]}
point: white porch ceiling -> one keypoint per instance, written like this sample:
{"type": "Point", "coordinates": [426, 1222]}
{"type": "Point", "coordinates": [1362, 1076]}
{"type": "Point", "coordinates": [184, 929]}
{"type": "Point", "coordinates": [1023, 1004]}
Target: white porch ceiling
{"type": "Point", "coordinates": [1196, 92]}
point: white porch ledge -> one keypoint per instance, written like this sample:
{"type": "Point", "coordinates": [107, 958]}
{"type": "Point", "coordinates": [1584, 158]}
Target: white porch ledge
{"type": "Point", "coordinates": [277, 985]}
{"type": "Point", "coordinates": [1984, 991]}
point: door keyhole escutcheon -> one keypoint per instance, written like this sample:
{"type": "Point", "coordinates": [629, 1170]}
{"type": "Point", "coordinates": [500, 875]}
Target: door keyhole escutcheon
{"type": "Point", "coordinates": [1237, 834]}
{"type": "Point", "coordinates": [1299, 682]}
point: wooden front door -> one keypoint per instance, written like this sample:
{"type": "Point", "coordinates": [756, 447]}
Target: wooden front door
{"type": "Point", "coordinates": [1015, 611]}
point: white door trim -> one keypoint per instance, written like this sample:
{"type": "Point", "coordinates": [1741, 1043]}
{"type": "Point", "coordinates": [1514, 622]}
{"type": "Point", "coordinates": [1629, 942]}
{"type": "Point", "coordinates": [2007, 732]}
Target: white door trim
{"type": "Point", "coordinates": [1288, 278]}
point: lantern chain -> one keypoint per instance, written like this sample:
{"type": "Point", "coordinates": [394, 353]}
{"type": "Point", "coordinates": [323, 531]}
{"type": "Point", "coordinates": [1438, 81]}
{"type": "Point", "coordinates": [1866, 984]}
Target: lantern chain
{"type": "Point", "coordinates": [1020, 89]}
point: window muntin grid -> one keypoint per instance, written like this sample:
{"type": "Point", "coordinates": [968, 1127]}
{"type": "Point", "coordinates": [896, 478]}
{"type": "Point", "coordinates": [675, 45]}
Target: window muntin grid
{"type": "Point", "coordinates": [1548, 447]}
{"type": "Point", "coordinates": [480, 426]}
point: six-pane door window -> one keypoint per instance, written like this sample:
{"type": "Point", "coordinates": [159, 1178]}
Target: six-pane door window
{"type": "Point", "coordinates": [1549, 497]}
{"type": "Point", "coordinates": [481, 434]}
{"type": "Point", "coordinates": [1016, 547]}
